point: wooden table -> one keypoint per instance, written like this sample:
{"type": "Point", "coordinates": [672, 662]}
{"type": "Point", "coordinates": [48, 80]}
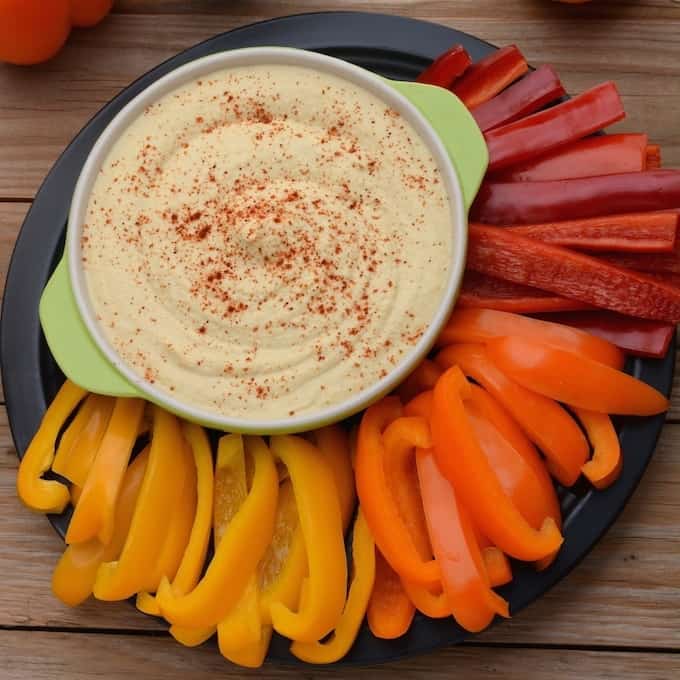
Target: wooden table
{"type": "Point", "coordinates": [617, 615]}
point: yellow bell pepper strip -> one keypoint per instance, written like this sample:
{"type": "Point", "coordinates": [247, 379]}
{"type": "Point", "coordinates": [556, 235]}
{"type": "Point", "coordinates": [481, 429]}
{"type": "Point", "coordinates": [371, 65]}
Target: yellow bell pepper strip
{"type": "Point", "coordinates": [192, 637]}
{"type": "Point", "coordinates": [252, 656]}
{"type": "Point", "coordinates": [333, 443]}
{"type": "Point", "coordinates": [242, 626]}
{"type": "Point", "coordinates": [464, 577]}
{"type": "Point", "coordinates": [363, 564]}
{"type": "Point", "coordinates": [93, 516]}
{"type": "Point", "coordinates": [177, 534]}
{"type": "Point", "coordinates": [237, 554]}
{"type": "Point", "coordinates": [390, 611]}
{"type": "Point", "coordinates": [543, 420]}
{"type": "Point", "coordinates": [476, 484]}
{"type": "Point", "coordinates": [80, 442]}
{"type": "Point", "coordinates": [319, 512]}
{"type": "Point", "coordinates": [73, 577]}
{"type": "Point", "coordinates": [47, 495]}
{"type": "Point", "coordinates": [604, 468]}
{"type": "Point", "coordinates": [193, 559]}
{"type": "Point", "coordinates": [574, 379]}
{"type": "Point", "coordinates": [162, 485]}
{"type": "Point", "coordinates": [380, 508]}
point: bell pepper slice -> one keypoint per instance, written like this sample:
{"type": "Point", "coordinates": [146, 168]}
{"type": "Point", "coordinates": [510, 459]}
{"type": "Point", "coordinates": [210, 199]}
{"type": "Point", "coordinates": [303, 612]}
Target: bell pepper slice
{"type": "Point", "coordinates": [389, 530]}
{"type": "Point", "coordinates": [347, 628]}
{"type": "Point", "coordinates": [47, 495]}
{"type": "Point", "coordinates": [80, 442]}
{"type": "Point", "coordinates": [573, 379]}
{"type": "Point", "coordinates": [475, 482]}
{"type": "Point", "coordinates": [252, 655]}
{"type": "Point", "coordinates": [571, 199]}
{"type": "Point", "coordinates": [604, 468]}
{"type": "Point", "coordinates": [664, 265]}
{"type": "Point", "coordinates": [487, 77]}
{"type": "Point", "coordinates": [652, 157]}
{"type": "Point", "coordinates": [74, 575]}
{"type": "Point", "coordinates": [636, 233]}
{"type": "Point", "coordinates": [464, 577]}
{"type": "Point", "coordinates": [242, 626]}
{"type": "Point", "coordinates": [93, 515]}
{"type": "Point", "coordinates": [162, 485]}
{"type": "Point", "coordinates": [423, 378]}
{"type": "Point", "coordinates": [480, 291]}
{"type": "Point", "coordinates": [497, 565]}
{"type": "Point", "coordinates": [640, 337]}
{"type": "Point", "coordinates": [483, 325]}
{"type": "Point", "coordinates": [554, 127]}
{"type": "Point", "coordinates": [589, 157]}
{"type": "Point", "coordinates": [544, 421]}
{"type": "Point", "coordinates": [446, 68]}
{"type": "Point", "coordinates": [237, 552]}
{"type": "Point", "coordinates": [321, 524]}
{"type": "Point", "coordinates": [531, 93]}
{"type": "Point", "coordinates": [505, 254]}
{"type": "Point", "coordinates": [390, 610]}
{"type": "Point", "coordinates": [333, 443]}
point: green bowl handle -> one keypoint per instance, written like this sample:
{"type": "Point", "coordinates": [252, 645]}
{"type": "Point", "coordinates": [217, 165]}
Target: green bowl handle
{"type": "Point", "coordinates": [70, 343]}
{"type": "Point", "coordinates": [456, 128]}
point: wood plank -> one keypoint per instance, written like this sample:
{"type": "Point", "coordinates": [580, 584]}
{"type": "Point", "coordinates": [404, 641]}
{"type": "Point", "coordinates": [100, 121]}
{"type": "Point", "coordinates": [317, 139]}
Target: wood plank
{"type": "Point", "coordinates": [50, 656]}
{"type": "Point", "coordinates": [11, 217]}
{"type": "Point", "coordinates": [627, 592]}
{"type": "Point", "coordinates": [44, 107]}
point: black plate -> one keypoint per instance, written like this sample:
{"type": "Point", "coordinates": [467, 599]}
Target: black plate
{"type": "Point", "coordinates": [392, 46]}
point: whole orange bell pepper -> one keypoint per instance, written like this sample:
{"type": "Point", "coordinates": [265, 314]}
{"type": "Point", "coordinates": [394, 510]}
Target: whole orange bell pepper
{"type": "Point", "coordinates": [380, 508]}
{"type": "Point", "coordinates": [544, 421]}
{"type": "Point", "coordinates": [573, 379]}
{"type": "Point", "coordinates": [483, 325]}
{"type": "Point", "coordinates": [93, 515]}
{"type": "Point", "coordinates": [464, 577]}
{"type": "Point", "coordinates": [604, 468]}
{"type": "Point", "coordinates": [475, 482]}
{"type": "Point", "coordinates": [36, 493]}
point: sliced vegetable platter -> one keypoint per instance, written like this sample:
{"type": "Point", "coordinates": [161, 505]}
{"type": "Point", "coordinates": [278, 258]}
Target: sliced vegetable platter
{"type": "Point", "coordinates": [406, 47]}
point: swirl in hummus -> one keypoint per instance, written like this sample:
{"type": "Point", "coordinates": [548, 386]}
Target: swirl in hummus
{"type": "Point", "coordinates": [267, 241]}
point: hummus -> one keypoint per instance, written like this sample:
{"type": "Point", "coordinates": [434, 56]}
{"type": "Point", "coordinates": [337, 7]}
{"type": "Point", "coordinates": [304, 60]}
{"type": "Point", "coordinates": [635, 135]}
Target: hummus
{"type": "Point", "coordinates": [267, 241]}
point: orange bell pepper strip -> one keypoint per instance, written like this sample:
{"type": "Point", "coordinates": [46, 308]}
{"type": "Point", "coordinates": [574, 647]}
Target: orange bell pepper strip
{"type": "Point", "coordinates": [423, 378]}
{"type": "Point", "coordinates": [483, 325]}
{"type": "Point", "coordinates": [464, 577]}
{"type": "Point", "coordinates": [390, 610]}
{"type": "Point", "coordinates": [604, 468]}
{"type": "Point", "coordinates": [342, 638]}
{"type": "Point", "coordinates": [162, 485]}
{"type": "Point", "coordinates": [81, 440]}
{"type": "Point", "coordinates": [74, 575]}
{"type": "Point", "coordinates": [475, 482]}
{"type": "Point", "coordinates": [237, 554]}
{"type": "Point", "coordinates": [544, 421]}
{"type": "Point", "coordinates": [321, 523]}
{"type": "Point", "coordinates": [574, 380]}
{"type": "Point", "coordinates": [93, 515]}
{"type": "Point", "coordinates": [333, 443]}
{"type": "Point", "coordinates": [380, 508]}
{"type": "Point", "coordinates": [36, 493]}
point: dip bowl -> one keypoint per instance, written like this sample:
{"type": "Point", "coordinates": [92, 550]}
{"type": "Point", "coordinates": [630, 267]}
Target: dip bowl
{"type": "Point", "coordinates": [69, 321]}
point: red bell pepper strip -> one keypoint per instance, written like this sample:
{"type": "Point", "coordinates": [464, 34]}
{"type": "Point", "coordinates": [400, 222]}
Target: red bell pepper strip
{"type": "Point", "coordinates": [475, 482]}
{"type": "Point", "coordinates": [464, 577]}
{"type": "Point", "coordinates": [574, 379]}
{"type": "Point", "coordinates": [482, 325]}
{"type": "Point", "coordinates": [531, 93]}
{"type": "Point", "coordinates": [653, 263]}
{"type": "Point", "coordinates": [446, 68]}
{"type": "Point", "coordinates": [640, 337]}
{"type": "Point", "coordinates": [554, 127]}
{"type": "Point", "coordinates": [423, 378]}
{"type": "Point", "coordinates": [589, 157]}
{"type": "Point", "coordinates": [571, 199]}
{"type": "Point", "coordinates": [636, 233]}
{"type": "Point", "coordinates": [505, 254]}
{"type": "Point", "coordinates": [605, 466]}
{"type": "Point", "coordinates": [489, 76]}
{"type": "Point", "coordinates": [653, 157]}
{"type": "Point", "coordinates": [480, 291]}
{"type": "Point", "coordinates": [544, 421]}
